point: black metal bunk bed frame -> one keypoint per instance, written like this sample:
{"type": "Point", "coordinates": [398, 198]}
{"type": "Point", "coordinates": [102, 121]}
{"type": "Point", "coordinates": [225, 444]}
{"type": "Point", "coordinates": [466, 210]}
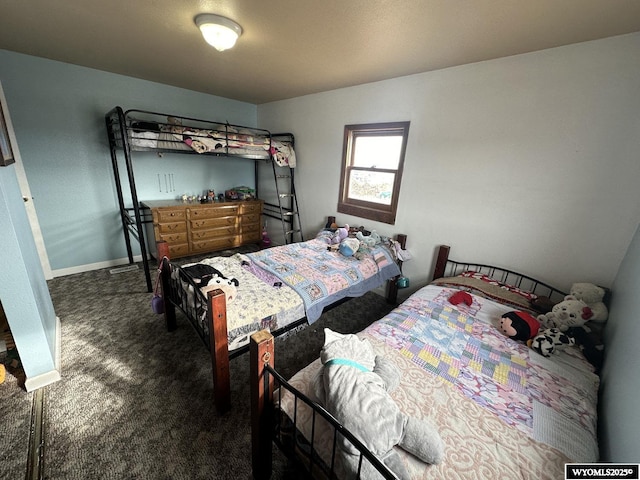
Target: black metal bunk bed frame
{"type": "Point", "coordinates": [121, 129]}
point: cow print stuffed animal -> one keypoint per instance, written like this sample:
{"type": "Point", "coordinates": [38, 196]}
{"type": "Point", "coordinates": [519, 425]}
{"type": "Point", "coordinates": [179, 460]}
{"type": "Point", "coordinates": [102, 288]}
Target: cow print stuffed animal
{"type": "Point", "coordinates": [208, 278]}
{"type": "Point", "coordinates": [550, 341]}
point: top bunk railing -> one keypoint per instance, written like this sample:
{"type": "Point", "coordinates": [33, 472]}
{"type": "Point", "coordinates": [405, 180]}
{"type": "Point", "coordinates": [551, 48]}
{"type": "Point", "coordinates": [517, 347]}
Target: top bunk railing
{"type": "Point", "coordinates": [162, 133]}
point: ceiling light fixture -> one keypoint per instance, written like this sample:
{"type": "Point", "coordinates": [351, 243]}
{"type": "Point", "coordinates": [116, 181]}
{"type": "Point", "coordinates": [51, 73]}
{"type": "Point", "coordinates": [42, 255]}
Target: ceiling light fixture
{"type": "Point", "coordinates": [219, 32]}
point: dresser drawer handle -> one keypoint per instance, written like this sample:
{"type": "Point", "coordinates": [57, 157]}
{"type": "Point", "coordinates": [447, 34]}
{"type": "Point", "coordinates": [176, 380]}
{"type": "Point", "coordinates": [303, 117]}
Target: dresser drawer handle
{"type": "Point", "coordinates": [173, 227]}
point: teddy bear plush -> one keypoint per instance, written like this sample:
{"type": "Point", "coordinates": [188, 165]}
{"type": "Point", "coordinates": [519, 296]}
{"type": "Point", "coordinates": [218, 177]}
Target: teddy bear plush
{"type": "Point", "coordinates": [571, 312]}
{"type": "Point", "coordinates": [593, 296]}
{"type": "Point", "coordinates": [354, 385]}
{"type": "Point", "coordinates": [369, 240]}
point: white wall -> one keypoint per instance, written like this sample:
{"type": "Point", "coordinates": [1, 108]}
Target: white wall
{"type": "Point", "coordinates": [529, 161]}
{"type": "Point", "coordinates": [620, 382]}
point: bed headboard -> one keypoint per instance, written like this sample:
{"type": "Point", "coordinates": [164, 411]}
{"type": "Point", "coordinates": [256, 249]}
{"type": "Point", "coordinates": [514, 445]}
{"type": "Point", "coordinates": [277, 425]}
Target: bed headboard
{"type": "Point", "coordinates": [446, 267]}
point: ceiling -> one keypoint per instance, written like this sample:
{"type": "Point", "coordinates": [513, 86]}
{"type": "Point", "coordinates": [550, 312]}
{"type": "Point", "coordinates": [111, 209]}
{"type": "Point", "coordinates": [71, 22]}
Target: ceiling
{"type": "Point", "coordinates": [291, 48]}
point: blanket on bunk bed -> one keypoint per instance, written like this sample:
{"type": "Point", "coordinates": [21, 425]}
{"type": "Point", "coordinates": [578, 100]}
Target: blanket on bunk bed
{"type": "Point", "coordinates": [223, 139]}
{"type": "Point", "coordinates": [234, 141]}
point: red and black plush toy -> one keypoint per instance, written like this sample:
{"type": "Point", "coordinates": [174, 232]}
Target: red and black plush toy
{"type": "Point", "coordinates": [519, 325]}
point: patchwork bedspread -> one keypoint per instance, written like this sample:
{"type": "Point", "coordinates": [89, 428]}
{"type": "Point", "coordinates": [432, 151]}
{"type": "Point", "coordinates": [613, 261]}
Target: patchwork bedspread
{"type": "Point", "coordinates": [502, 410]}
{"type": "Point", "coordinates": [261, 302]}
{"type": "Point", "coordinates": [322, 277]}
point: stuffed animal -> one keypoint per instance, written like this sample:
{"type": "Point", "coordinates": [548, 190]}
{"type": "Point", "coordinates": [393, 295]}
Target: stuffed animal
{"type": "Point", "coordinates": [340, 234]}
{"type": "Point", "coordinates": [349, 246]}
{"type": "Point", "coordinates": [369, 240]}
{"type": "Point", "coordinates": [550, 341]}
{"type": "Point", "coordinates": [354, 385]}
{"type": "Point", "coordinates": [593, 296]}
{"type": "Point", "coordinates": [571, 312]}
{"type": "Point", "coordinates": [227, 285]}
{"type": "Point", "coordinates": [209, 278]}
{"type": "Point", "coordinates": [519, 325]}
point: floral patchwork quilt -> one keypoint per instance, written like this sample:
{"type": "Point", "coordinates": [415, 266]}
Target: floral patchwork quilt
{"type": "Point", "coordinates": [322, 277]}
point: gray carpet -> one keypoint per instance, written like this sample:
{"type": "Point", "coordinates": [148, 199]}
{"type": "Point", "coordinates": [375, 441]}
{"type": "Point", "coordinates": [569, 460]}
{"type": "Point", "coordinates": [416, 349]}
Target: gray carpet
{"type": "Point", "coordinates": [15, 411]}
{"type": "Point", "coordinates": [136, 401]}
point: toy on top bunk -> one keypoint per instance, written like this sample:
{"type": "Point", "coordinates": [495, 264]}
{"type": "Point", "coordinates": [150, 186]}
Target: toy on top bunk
{"type": "Point", "coordinates": [354, 384]}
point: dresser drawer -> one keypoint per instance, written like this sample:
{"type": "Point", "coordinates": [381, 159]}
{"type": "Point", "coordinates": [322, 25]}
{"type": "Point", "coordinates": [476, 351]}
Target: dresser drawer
{"type": "Point", "coordinates": [174, 227]}
{"type": "Point", "coordinates": [165, 215]}
{"type": "Point", "coordinates": [197, 235]}
{"type": "Point", "coordinates": [213, 244]}
{"type": "Point", "coordinates": [250, 218]}
{"type": "Point", "coordinates": [251, 237]}
{"type": "Point", "coordinates": [213, 212]}
{"type": "Point", "coordinates": [180, 250]}
{"type": "Point", "coordinates": [250, 228]}
{"type": "Point", "coordinates": [206, 223]}
{"type": "Point", "coordinates": [250, 207]}
{"type": "Point", "coordinates": [173, 238]}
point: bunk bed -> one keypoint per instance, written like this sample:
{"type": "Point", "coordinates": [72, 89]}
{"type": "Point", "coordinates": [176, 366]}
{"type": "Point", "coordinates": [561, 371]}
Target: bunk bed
{"type": "Point", "coordinates": [226, 299]}
{"type": "Point", "coordinates": [501, 409]}
{"type": "Point", "coordinates": [144, 131]}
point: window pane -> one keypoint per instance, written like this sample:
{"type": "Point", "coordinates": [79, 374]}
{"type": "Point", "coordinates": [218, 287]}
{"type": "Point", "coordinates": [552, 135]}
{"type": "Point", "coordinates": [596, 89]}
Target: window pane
{"type": "Point", "coordinates": [379, 152]}
{"type": "Point", "coordinates": [374, 187]}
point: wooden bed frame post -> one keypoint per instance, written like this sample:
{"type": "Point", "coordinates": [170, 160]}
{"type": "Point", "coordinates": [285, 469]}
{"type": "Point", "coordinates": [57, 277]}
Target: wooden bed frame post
{"type": "Point", "coordinates": [217, 319]}
{"type": "Point", "coordinates": [441, 262]}
{"type": "Point", "coordinates": [261, 352]}
{"type": "Point", "coordinates": [169, 308]}
{"type": "Point", "coordinates": [392, 290]}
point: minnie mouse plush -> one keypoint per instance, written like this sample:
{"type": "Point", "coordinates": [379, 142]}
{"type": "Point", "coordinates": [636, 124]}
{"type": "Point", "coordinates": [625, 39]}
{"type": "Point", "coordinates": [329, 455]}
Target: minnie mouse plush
{"type": "Point", "coordinates": [519, 325]}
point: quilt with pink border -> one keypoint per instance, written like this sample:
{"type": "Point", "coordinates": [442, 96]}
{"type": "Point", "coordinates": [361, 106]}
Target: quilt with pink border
{"type": "Point", "coordinates": [462, 345]}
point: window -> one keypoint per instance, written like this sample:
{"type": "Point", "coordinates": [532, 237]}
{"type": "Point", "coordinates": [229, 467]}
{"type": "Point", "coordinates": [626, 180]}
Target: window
{"type": "Point", "coordinates": [372, 161]}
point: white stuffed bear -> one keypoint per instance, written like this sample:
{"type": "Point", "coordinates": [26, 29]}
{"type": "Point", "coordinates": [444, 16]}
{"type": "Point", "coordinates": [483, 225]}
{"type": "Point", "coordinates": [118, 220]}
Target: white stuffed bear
{"type": "Point", "coordinates": [353, 385]}
{"type": "Point", "coordinates": [571, 312]}
{"type": "Point", "coordinates": [592, 295]}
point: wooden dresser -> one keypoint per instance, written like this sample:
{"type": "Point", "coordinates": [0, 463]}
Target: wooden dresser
{"type": "Point", "coordinates": [193, 228]}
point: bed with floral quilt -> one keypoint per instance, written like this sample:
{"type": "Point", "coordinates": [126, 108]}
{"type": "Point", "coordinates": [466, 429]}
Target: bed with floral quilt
{"type": "Point", "coordinates": [226, 299]}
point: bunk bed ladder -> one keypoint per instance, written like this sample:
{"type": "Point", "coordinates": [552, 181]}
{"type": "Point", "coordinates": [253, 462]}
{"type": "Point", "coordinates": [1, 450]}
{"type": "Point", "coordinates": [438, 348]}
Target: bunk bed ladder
{"type": "Point", "coordinates": [287, 203]}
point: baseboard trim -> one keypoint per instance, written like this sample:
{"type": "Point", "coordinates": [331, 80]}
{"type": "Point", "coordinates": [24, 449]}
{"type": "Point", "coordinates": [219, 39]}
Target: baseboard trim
{"type": "Point", "coordinates": [34, 383]}
{"type": "Point", "coordinates": [63, 272]}
{"type": "Point", "coordinates": [52, 376]}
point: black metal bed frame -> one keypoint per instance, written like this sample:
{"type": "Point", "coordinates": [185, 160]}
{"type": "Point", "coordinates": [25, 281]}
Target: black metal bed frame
{"type": "Point", "coordinates": [120, 124]}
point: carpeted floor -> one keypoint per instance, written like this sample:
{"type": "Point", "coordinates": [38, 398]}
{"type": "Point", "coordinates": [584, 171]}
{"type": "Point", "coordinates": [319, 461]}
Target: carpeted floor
{"type": "Point", "coordinates": [136, 401]}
